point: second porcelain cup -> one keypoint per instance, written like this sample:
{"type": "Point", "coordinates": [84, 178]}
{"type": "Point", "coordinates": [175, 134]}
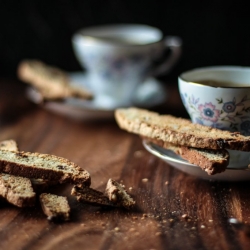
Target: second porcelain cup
{"type": "Point", "coordinates": [219, 97]}
{"type": "Point", "coordinates": [118, 58]}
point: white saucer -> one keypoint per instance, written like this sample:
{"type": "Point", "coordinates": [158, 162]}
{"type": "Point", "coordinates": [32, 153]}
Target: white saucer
{"type": "Point", "coordinates": [231, 174]}
{"type": "Point", "coordinates": [149, 94]}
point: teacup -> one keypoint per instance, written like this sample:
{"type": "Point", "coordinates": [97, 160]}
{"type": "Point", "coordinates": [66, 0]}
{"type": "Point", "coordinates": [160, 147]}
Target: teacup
{"type": "Point", "coordinates": [219, 97]}
{"type": "Point", "coordinates": [118, 58]}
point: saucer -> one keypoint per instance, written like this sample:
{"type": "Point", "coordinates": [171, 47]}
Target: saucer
{"type": "Point", "coordinates": [231, 174]}
{"type": "Point", "coordinates": [149, 94]}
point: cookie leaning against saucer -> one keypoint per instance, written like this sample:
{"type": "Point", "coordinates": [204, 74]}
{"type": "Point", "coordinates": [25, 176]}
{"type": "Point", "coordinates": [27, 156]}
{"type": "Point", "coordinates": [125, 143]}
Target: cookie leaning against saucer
{"type": "Point", "coordinates": [178, 131]}
{"type": "Point", "coordinates": [210, 160]}
{"type": "Point", "coordinates": [51, 82]}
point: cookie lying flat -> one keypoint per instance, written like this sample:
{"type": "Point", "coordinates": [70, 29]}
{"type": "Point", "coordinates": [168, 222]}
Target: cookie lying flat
{"type": "Point", "coordinates": [118, 195]}
{"type": "Point", "coordinates": [17, 190]}
{"type": "Point", "coordinates": [51, 82]}
{"type": "Point", "coordinates": [179, 131]}
{"type": "Point", "coordinates": [212, 161]}
{"type": "Point", "coordinates": [91, 196]}
{"type": "Point", "coordinates": [55, 207]}
{"type": "Point", "coordinates": [42, 166]}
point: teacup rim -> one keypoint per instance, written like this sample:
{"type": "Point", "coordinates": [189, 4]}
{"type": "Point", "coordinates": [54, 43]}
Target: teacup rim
{"type": "Point", "coordinates": [217, 67]}
{"type": "Point", "coordinates": [99, 40]}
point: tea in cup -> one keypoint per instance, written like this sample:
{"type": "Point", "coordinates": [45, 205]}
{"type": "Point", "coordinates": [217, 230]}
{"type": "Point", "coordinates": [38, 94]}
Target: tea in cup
{"type": "Point", "coordinates": [219, 97]}
{"type": "Point", "coordinates": [118, 58]}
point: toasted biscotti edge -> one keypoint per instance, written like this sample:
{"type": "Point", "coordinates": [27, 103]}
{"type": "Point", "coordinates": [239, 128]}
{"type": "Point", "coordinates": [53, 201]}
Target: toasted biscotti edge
{"type": "Point", "coordinates": [211, 161]}
{"type": "Point", "coordinates": [178, 131]}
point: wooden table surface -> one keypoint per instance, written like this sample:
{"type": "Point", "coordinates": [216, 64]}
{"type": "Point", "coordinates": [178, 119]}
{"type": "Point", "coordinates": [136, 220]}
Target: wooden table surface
{"type": "Point", "coordinates": [174, 210]}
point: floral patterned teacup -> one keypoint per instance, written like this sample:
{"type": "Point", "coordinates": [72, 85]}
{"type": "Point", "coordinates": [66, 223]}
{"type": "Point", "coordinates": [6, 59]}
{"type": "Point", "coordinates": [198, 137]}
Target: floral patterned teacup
{"type": "Point", "coordinates": [117, 58]}
{"type": "Point", "coordinates": [219, 97]}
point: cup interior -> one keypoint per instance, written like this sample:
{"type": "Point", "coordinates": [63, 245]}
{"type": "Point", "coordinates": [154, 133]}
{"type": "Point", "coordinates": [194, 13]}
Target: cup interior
{"type": "Point", "coordinates": [227, 76]}
{"type": "Point", "coordinates": [129, 34]}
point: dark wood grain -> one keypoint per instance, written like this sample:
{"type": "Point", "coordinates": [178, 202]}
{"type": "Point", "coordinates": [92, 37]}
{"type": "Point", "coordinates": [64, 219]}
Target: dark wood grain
{"type": "Point", "coordinates": [173, 211]}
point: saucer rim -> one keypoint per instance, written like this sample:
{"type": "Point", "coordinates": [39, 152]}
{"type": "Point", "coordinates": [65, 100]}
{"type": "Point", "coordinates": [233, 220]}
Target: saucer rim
{"type": "Point", "coordinates": [90, 106]}
{"type": "Point", "coordinates": [229, 175]}
{"type": "Point", "coordinates": [86, 105]}
{"type": "Point", "coordinates": [176, 158]}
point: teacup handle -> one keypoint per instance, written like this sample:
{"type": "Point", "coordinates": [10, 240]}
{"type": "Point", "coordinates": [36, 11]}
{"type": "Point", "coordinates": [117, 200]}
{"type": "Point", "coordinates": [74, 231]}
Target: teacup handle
{"type": "Point", "coordinates": [174, 43]}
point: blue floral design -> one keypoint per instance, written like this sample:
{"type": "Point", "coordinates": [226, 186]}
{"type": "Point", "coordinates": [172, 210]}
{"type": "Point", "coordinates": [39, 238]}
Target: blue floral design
{"type": "Point", "coordinates": [230, 115]}
{"type": "Point", "coordinates": [229, 107]}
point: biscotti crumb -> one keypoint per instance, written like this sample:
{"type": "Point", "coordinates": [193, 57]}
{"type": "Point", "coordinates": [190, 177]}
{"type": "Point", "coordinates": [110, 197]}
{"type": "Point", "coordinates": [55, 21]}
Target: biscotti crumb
{"type": "Point", "coordinates": [145, 180]}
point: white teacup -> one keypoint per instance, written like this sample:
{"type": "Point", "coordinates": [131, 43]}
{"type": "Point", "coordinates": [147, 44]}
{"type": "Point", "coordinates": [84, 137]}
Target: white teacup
{"type": "Point", "coordinates": [219, 97]}
{"type": "Point", "coordinates": [119, 57]}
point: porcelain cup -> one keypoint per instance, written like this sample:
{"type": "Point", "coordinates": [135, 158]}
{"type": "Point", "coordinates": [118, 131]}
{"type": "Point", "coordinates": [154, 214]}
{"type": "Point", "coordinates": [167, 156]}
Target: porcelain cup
{"type": "Point", "coordinates": [117, 58]}
{"type": "Point", "coordinates": [219, 96]}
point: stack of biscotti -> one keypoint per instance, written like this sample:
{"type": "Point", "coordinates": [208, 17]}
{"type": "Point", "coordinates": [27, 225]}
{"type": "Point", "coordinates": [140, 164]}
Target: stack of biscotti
{"type": "Point", "coordinates": [200, 145]}
{"type": "Point", "coordinates": [22, 173]}
{"type": "Point", "coordinates": [51, 82]}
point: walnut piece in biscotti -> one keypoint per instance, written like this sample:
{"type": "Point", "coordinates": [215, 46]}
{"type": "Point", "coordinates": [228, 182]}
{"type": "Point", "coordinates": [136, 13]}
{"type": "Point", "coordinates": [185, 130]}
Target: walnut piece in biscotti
{"type": "Point", "coordinates": [10, 145]}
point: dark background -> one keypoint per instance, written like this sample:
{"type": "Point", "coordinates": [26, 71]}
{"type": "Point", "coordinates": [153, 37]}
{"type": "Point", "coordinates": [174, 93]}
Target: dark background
{"type": "Point", "coordinates": [214, 32]}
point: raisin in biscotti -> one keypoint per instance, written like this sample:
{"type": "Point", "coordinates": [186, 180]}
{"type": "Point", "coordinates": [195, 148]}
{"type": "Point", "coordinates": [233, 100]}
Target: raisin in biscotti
{"type": "Point", "coordinates": [44, 166]}
{"type": "Point", "coordinates": [212, 161]}
{"type": "Point", "coordinates": [55, 207]}
{"type": "Point", "coordinates": [178, 131]}
{"type": "Point", "coordinates": [118, 195]}
{"type": "Point", "coordinates": [90, 195]}
{"type": "Point", "coordinates": [52, 82]}
{"type": "Point", "coordinates": [17, 190]}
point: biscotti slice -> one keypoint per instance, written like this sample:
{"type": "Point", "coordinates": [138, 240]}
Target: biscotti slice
{"type": "Point", "coordinates": [42, 166]}
{"type": "Point", "coordinates": [118, 195]}
{"type": "Point", "coordinates": [179, 131]}
{"type": "Point", "coordinates": [212, 161]}
{"type": "Point", "coordinates": [10, 145]}
{"type": "Point", "coordinates": [17, 190]}
{"type": "Point", "coordinates": [90, 195]}
{"type": "Point", "coordinates": [51, 82]}
{"type": "Point", "coordinates": [55, 207]}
